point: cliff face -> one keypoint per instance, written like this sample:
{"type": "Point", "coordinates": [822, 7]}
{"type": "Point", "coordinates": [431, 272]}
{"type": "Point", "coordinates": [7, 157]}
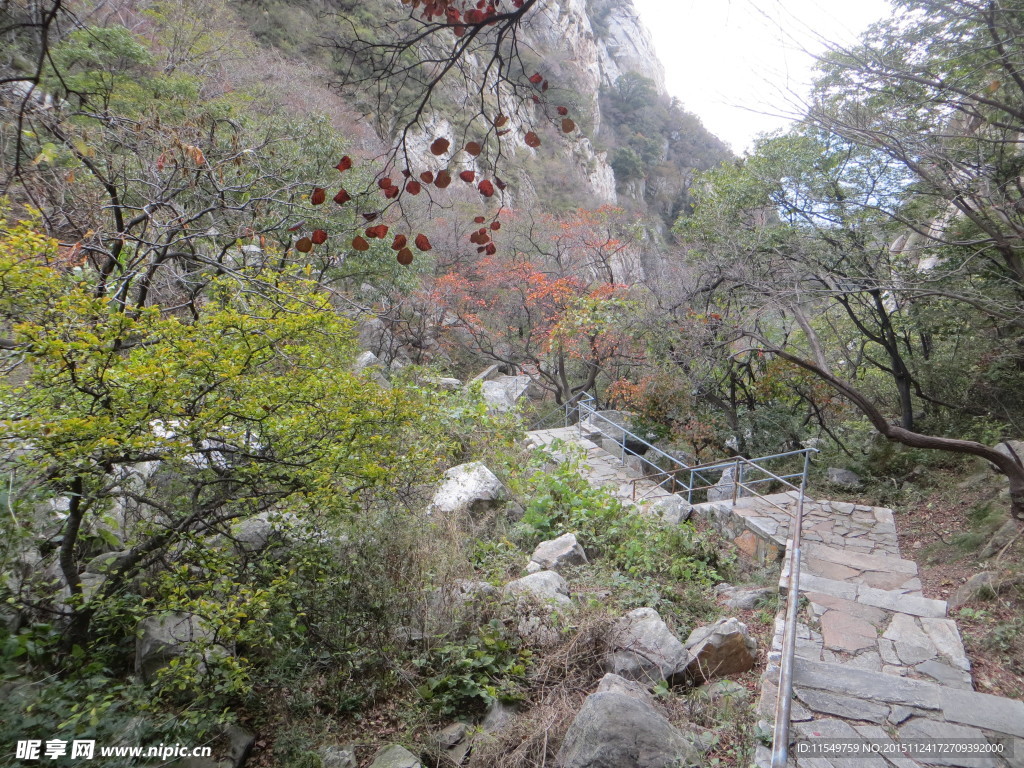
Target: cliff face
{"type": "Point", "coordinates": [634, 146]}
{"type": "Point", "coordinates": [587, 45]}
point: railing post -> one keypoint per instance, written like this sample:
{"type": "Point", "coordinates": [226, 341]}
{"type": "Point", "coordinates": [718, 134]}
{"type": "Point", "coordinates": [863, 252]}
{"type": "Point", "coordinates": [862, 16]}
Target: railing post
{"type": "Point", "coordinates": [735, 481]}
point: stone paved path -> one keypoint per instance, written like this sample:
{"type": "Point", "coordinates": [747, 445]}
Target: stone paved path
{"type": "Point", "coordinates": [876, 659]}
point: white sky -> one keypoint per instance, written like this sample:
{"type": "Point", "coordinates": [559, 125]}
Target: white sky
{"type": "Point", "coordinates": [729, 61]}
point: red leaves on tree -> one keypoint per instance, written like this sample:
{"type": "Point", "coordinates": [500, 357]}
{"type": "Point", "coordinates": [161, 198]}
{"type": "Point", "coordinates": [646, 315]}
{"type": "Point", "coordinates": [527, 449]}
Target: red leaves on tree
{"type": "Point", "coordinates": [568, 126]}
{"type": "Point", "coordinates": [427, 177]}
{"type": "Point", "coordinates": [474, 16]}
{"type": "Point", "coordinates": [412, 187]}
{"type": "Point", "coordinates": [404, 257]}
{"type": "Point", "coordinates": [442, 180]}
{"type": "Point", "coordinates": [381, 231]}
{"type": "Point", "coordinates": [342, 197]}
{"type": "Point", "coordinates": [344, 164]}
{"type": "Point", "coordinates": [536, 78]}
{"type": "Point", "coordinates": [459, 31]}
{"type": "Point", "coordinates": [384, 183]}
{"type": "Point", "coordinates": [399, 243]}
{"type": "Point", "coordinates": [440, 146]}
{"type": "Point", "coordinates": [500, 120]}
{"type": "Point", "coordinates": [468, 176]}
{"type": "Point", "coordinates": [495, 225]}
{"type": "Point", "coordinates": [371, 215]}
{"type": "Point", "coordinates": [490, 249]}
{"type": "Point", "coordinates": [422, 242]}
{"type": "Point", "coordinates": [391, 193]}
{"type": "Point", "coordinates": [563, 111]}
{"type": "Point", "coordinates": [486, 188]}
{"type": "Point", "coordinates": [359, 244]}
{"type": "Point", "coordinates": [305, 245]}
{"type": "Point", "coordinates": [479, 220]}
{"type": "Point", "coordinates": [406, 173]}
{"type": "Point", "coordinates": [474, 148]}
{"type": "Point", "coordinates": [319, 236]}
{"type": "Point", "coordinates": [318, 196]}
{"type": "Point", "coordinates": [532, 139]}
{"type": "Point", "coordinates": [480, 237]}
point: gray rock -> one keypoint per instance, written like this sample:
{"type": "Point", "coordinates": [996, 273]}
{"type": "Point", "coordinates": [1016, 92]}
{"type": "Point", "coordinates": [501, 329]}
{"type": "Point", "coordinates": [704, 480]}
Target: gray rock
{"type": "Point", "coordinates": [169, 635]}
{"type": "Point", "coordinates": [1011, 448]}
{"type": "Point", "coordinates": [339, 757]}
{"type": "Point", "coordinates": [643, 648]}
{"type": "Point", "coordinates": [252, 534]}
{"type": "Point", "coordinates": [724, 648]}
{"type": "Point", "coordinates": [453, 743]}
{"type": "Point", "coordinates": [395, 756]}
{"type": "Point", "coordinates": [502, 394]}
{"type": "Point", "coordinates": [469, 488]}
{"type": "Point", "coordinates": [548, 586]}
{"type": "Point", "coordinates": [557, 554]}
{"type": "Point", "coordinates": [843, 478]}
{"type": "Point", "coordinates": [448, 384]}
{"type": "Point", "coordinates": [980, 585]}
{"type": "Point", "coordinates": [107, 562]}
{"type": "Point", "coordinates": [241, 742]}
{"type": "Point", "coordinates": [612, 683]}
{"type": "Point", "coordinates": [1006, 533]}
{"type": "Point", "coordinates": [724, 489]}
{"type": "Point", "coordinates": [671, 509]}
{"type": "Point", "coordinates": [744, 599]}
{"type": "Point", "coordinates": [369, 364]}
{"type": "Point", "coordinates": [613, 730]}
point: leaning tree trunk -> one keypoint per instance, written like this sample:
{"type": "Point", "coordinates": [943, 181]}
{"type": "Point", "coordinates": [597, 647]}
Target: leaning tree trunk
{"type": "Point", "coordinates": [1008, 463]}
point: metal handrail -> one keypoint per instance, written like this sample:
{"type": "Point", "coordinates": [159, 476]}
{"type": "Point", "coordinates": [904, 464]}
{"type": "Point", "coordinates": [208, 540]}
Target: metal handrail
{"type": "Point", "coordinates": [783, 704]}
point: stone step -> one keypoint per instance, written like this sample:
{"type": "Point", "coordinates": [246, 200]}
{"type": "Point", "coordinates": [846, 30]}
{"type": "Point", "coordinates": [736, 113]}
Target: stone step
{"type": "Point", "coordinates": [878, 571]}
{"type": "Point", "coordinates": [896, 601]}
{"type": "Point", "coordinates": [837, 701]}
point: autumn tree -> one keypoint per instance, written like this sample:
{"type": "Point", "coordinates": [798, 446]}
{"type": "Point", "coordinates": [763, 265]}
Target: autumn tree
{"type": "Point", "coordinates": [877, 247]}
{"type": "Point", "coordinates": [542, 314]}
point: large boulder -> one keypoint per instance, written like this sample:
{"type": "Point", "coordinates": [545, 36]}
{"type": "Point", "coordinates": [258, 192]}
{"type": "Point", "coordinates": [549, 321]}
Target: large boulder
{"type": "Point", "coordinates": [546, 586]}
{"type": "Point", "coordinates": [725, 488]}
{"type": "Point", "coordinates": [540, 598]}
{"type": "Point", "coordinates": [167, 636]}
{"type": "Point", "coordinates": [395, 756]}
{"type": "Point", "coordinates": [502, 394]}
{"type": "Point", "coordinates": [643, 648]}
{"type": "Point", "coordinates": [557, 554]}
{"type": "Point", "coordinates": [616, 730]}
{"type": "Point", "coordinates": [471, 488]}
{"type": "Point", "coordinates": [671, 509]}
{"type": "Point", "coordinates": [721, 649]}
{"type": "Point", "coordinates": [369, 364]}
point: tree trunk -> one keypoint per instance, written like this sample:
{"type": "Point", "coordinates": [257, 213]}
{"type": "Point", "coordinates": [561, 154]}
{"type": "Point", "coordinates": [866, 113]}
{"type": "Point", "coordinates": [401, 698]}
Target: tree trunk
{"type": "Point", "coordinates": [1007, 463]}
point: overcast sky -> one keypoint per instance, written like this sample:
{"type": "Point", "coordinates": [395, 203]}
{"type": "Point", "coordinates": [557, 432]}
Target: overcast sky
{"type": "Point", "coordinates": [728, 61]}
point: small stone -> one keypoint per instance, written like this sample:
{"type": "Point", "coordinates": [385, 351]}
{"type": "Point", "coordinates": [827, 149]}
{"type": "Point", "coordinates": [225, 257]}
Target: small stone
{"type": "Point", "coordinates": [558, 553]}
{"type": "Point", "coordinates": [395, 756]}
{"type": "Point", "coordinates": [339, 757]}
{"type": "Point", "coordinates": [643, 648]}
{"type": "Point", "coordinates": [980, 585]}
{"type": "Point", "coordinates": [843, 478]}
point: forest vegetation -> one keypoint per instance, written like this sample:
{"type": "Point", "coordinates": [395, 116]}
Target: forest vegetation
{"type": "Point", "coordinates": [210, 209]}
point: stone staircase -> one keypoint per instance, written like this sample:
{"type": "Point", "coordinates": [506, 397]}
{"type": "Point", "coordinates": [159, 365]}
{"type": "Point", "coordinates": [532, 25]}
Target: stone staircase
{"type": "Point", "coordinates": [875, 658]}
